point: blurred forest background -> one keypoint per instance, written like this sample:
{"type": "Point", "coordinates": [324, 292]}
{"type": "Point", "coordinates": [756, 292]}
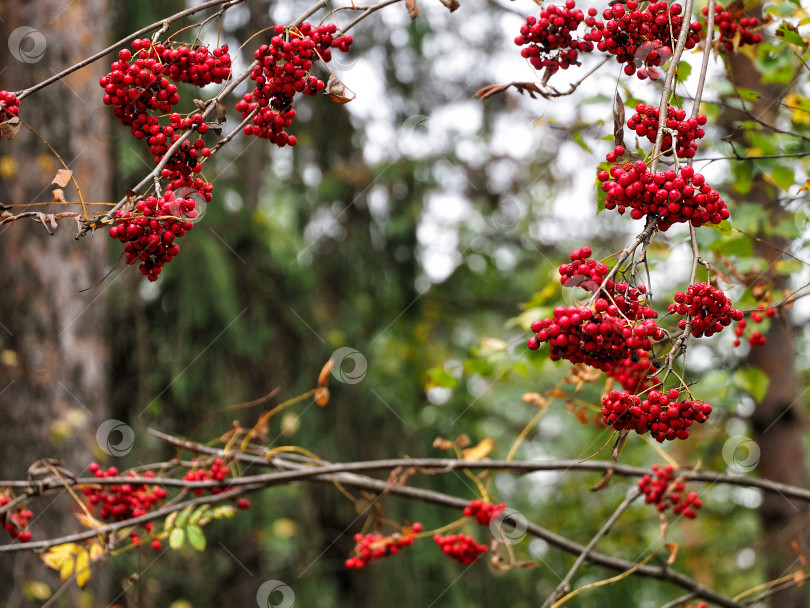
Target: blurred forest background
{"type": "Point", "coordinates": [417, 225]}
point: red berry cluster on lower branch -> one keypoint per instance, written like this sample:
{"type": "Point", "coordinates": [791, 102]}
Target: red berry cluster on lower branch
{"type": "Point", "coordinates": [733, 31]}
{"type": "Point", "coordinates": [149, 231]}
{"type": "Point", "coordinates": [483, 512]}
{"type": "Point", "coordinates": [672, 197]}
{"type": "Point", "coordinates": [16, 521]}
{"type": "Point", "coordinates": [125, 501]}
{"type": "Point", "coordinates": [460, 547]}
{"type": "Point", "coordinates": [757, 338]}
{"type": "Point", "coordinates": [659, 412]}
{"type": "Point", "coordinates": [375, 546]}
{"type": "Point", "coordinates": [711, 310]}
{"type": "Point", "coordinates": [664, 492]}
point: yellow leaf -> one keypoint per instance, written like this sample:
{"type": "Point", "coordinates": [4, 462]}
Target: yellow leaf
{"type": "Point", "coordinates": [96, 551]}
{"type": "Point", "coordinates": [56, 556]}
{"type": "Point", "coordinates": [82, 568]}
{"type": "Point", "coordinates": [479, 451]}
{"type": "Point", "coordinates": [67, 569]}
{"type": "Point", "coordinates": [88, 521]}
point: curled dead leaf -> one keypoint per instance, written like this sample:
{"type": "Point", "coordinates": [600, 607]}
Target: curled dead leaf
{"type": "Point", "coordinates": [62, 178]}
{"type": "Point", "coordinates": [440, 443]}
{"type": "Point", "coordinates": [673, 552]}
{"type": "Point", "coordinates": [535, 398]}
{"type": "Point", "coordinates": [604, 482]}
{"type": "Point", "coordinates": [322, 396]}
{"type": "Point", "coordinates": [336, 90]}
{"type": "Point", "coordinates": [10, 127]}
{"type": "Point", "coordinates": [463, 440]}
{"type": "Point", "coordinates": [413, 10]}
{"type": "Point", "coordinates": [222, 112]}
{"type": "Point", "coordinates": [451, 4]}
{"type": "Point", "coordinates": [480, 451]}
{"type": "Point", "coordinates": [323, 377]}
{"type": "Point", "coordinates": [556, 393]}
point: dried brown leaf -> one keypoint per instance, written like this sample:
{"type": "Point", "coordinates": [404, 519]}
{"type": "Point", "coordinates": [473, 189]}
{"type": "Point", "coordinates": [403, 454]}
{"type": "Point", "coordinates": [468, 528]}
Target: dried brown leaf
{"type": "Point", "coordinates": [557, 393]}
{"type": "Point", "coordinates": [48, 220]}
{"type": "Point", "coordinates": [222, 112]}
{"type": "Point", "coordinates": [440, 443]}
{"type": "Point", "coordinates": [200, 104]}
{"type": "Point", "coordinates": [323, 377]}
{"type": "Point", "coordinates": [62, 178]}
{"type": "Point", "coordinates": [604, 482]}
{"type": "Point", "coordinates": [582, 415]}
{"type": "Point", "coordinates": [463, 440]}
{"type": "Point", "coordinates": [10, 127]}
{"type": "Point", "coordinates": [535, 398]}
{"type": "Point", "coordinates": [322, 396]}
{"type": "Point", "coordinates": [58, 195]}
{"type": "Point", "coordinates": [451, 4]}
{"type": "Point", "coordinates": [336, 90]}
{"type": "Point", "coordinates": [413, 10]}
{"type": "Point", "coordinates": [480, 451]}
{"type": "Point", "coordinates": [673, 552]}
{"type": "Point", "coordinates": [529, 88]}
{"type": "Point", "coordinates": [618, 121]}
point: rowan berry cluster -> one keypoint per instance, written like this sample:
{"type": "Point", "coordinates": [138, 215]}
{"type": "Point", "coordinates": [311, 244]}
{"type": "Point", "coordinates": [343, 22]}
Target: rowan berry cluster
{"type": "Point", "coordinates": [9, 105]}
{"type": "Point", "coordinates": [551, 41]}
{"type": "Point", "coordinates": [125, 501]}
{"type": "Point", "coordinates": [460, 547]}
{"type": "Point", "coordinates": [659, 412]}
{"type": "Point", "coordinates": [642, 39]}
{"type": "Point", "coordinates": [733, 32]}
{"type": "Point", "coordinates": [282, 72]}
{"type": "Point", "coordinates": [616, 328]}
{"type": "Point", "coordinates": [664, 492]}
{"type": "Point", "coordinates": [756, 338]}
{"type": "Point", "coordinates": [218, 471]}
{"type": "Point", "coordinates": [483, 512]}
{"type": "Point", "coordinates": [634, 372]}
{"type": "Point", "coordinates": [16, 521]}
{"type": "Point", "coordinates": [710, 309]}
{"type": "Point", "coordinates": [645, 123]}
{"type": "Point", "coordinates": [673, 197]}
{"type": "Point", "coordinates": [149, 230]}
{"type": "Point", "coordinates": [375, 546]}
{"type": "Point", "coordinates": [196, 65]}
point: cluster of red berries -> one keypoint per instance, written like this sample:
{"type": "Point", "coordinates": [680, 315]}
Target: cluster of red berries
{"type": "Point", "coordinates": [642, 39]}
{"type": "Point", "coordinates": [730, 28]}
{"type": "Point", "coordinates": [218, 471]}
{"type": "Point", "coordinates": [375, 546]}
{"type": "Point", "coordinates": [196, 65]}
{"type": "Point", "coordinates": [617, 327]}
{"type": "Point", "coordinates": [645, 123]}
{"type": "Point", "coordinates": [660, 413]}
{"type": "Point", "coordinates": [16, 521]}
{"type": "Point", "coordinates": [756, 338]}
{"type": "Point", "coordinates": [634, 372]}
{"type": "Point", "coordinates": [711, 309]}
{"type": "Point", "coordinates": [149, 231]}
{"type": "Point", "coordinates": [125, 501]}
{"type": "Point", "coordinates": [283, 71]}
{"type": "Point", "coordinates": [663, 492]}
{"type": "Point", "coordinates": [483, 512]}
{"type": "Point", "coordinates": [460, 547]}
{"type": "Point", "coordinates": [9, 105]}
{"type": "Point", "coordinates": [551, 44]}
{"type": "Point", "coordinates": [674, 198]}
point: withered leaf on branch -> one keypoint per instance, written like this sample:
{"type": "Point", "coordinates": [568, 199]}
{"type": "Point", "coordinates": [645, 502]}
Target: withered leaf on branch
{"type": "Point", "coordinates": [494, 89]}
{"type": "Point", "coordinates": [58, 195]}
{"type": "Point", "coordinates": [62, 178]}
{"type": "Point", "coordinates": [336, 90]}
{"type": "Point", "coordinates": [413, 10]}
{"type": "Point", "coordinates": [480, 451]}
{"type": "Point", "coordinates": [618, 121]}
{"type": "Point", "coordinates": [48, 220]}
{"type": "Point", "coordinates": [201, 105]}
{"type": "Point", "coordinates": [222, 112]}
{"type": "Point", "coordinates": [10, 127]}
{"type": "Point", "coordinates": [451, 4]}
{"type": "Point", "coordinates": [440, 443]}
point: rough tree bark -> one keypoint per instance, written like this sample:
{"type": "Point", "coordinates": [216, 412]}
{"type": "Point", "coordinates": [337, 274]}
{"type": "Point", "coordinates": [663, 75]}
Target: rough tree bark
{"type": "Point", "coordinates": [778, 421]}
{"type": "Point", "coordinates": [53, 370]}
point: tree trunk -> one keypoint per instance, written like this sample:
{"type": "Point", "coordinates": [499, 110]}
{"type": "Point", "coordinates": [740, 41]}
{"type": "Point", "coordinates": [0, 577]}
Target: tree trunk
{"type": "Point", "coordinates": [54, 376]}
{"type": "Point", "coordinates": [778, 421]}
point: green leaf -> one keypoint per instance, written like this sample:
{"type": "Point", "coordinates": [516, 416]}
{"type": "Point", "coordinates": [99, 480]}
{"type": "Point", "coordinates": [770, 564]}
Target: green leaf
{"type": "Point", "coordinates": [790, 34]}
{"type": "Point", "coordinates": [182, 519]}
{"type": "Point", "coordinates": [784, 177]}
{"type": "Point", "coordinates": [752, 380]}
{"type": "Point", "coordinates": [196, 538]}
{"type": "Point", "coordinates": [197, 515]}
{"type": "Point", "coordinates": [437, 376]}
{"type": "Point", "coordinates": [723, 227]}
{"type": "Point", "coordinates": [177, 538]}
{"type": "Point", "coordinates": [223, 511]}
{"type": "Point", "coordinates": [684, 69]}
{"type": "Point", "coordinates": [577, 137]}
{"type": "Point", "coordinates": [170, 520]}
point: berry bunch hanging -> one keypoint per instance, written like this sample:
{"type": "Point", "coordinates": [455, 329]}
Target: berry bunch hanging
{"type": "Point", "coordinates": [376, 546]}
{"type": "Point", "coordinates": [125, 501]}
{"type": "Point", "coordinates": [659, 412]}
{"type": "Point", "coordinates": [673, 197]}
{"type": "Point", "coordinates": [645, 123]}
{"type": "Point", "coordinates": [282, 72]}
{"type": "Point", "coordinates": [9, 105]}
{"type": "Point", "coordinates": [550, 40]}
{"type": "Point", "coordinates": [711, 310]}
{"type": "Point", "coordinates": [664, 492]}
{"type": "Point", "coordinates": [482, 511]}
{"type": "Point", "coordinates": [734, 31]}
{"type": "Point", "coordinates": [460, 547]}
{"type": "Point", "coordinates": [16, 521]}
